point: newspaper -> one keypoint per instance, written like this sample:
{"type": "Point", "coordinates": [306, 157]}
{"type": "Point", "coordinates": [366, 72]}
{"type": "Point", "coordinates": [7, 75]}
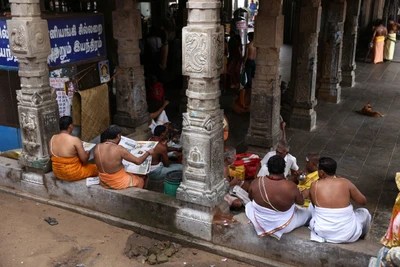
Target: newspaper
{"type": "Point", "coordinates": [137, 148]}
{"type": "Point", "coordinates": [92, 181]}
{"type": "Point", "coordinates": [88, 146]}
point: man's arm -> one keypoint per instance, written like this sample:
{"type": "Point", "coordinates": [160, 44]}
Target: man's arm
{"type": "Point", "coordinates": [356, 195]}
{"type": "Point", "coordinates": [299, 199]}
{"type": "Point", "coordinates": [126, 155]}
{"type": "Point", "coordinates": [82, 154]}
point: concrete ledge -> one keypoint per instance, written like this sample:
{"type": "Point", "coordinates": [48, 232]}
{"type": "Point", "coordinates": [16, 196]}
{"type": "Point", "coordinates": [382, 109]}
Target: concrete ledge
{"type": "Point", "coordinates": [160, 216]}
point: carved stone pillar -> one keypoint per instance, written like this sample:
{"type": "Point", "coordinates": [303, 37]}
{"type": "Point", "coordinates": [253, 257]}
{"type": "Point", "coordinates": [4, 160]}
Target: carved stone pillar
{"type": "Point", "coordinates": [203, 51]}
{"type": "Point", "coordinates": [203, 185]}
{"type": "Point", "coordinates": [131, 93]}
{"type": "Point", "coordinates": [266, 94]}
{"type": "Point", "coordinates": [331, 53]}
{"type": "Point", "coordinates": [37, 105]}
{"type": "Point", "coordinates": [298, 109]}
{"type": "Point", "coordinates": [350, 43]}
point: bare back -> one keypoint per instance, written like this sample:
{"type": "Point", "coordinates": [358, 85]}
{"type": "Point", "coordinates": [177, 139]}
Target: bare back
{"type": "Point", "coordinates": [335, 193]}
{"type": "Point", "coordinates": [160, 153]}
{"type": "Point", "coordinates": [108, 157]}
{"type": "Point", "coordinates": [282, 194]}
{"type": "Point", "coordinates": [251, 51]}
{"type": "Point", "coordinates": [380, 31]}
{"type": "Point", "coordinates": [64, 145]}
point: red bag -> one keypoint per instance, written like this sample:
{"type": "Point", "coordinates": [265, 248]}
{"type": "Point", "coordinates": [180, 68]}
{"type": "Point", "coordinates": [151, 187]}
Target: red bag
{"type": "Point", "coordinates": [250, 164]}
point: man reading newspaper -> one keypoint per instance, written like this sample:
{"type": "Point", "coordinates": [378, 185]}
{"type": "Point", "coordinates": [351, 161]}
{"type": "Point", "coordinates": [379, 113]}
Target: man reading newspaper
{"type": "Point", "coordinates": [109, 156]}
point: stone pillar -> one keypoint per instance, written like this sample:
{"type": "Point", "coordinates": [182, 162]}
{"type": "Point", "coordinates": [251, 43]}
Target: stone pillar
{"type": "Point", "coordinates": [37, 105]}
{"type": "Point", "coordinates": [350, 43]}
{"type": "Point", "coordinates": [203, 184]}
{"type": "Point", "coordinates": [264, 130]}
{"type": "Point", "coordinates": [298, 110]}
{"type": "Point", "coordinates": [131, 93]}
{"type": "Point", "coordinates": [331, 56]}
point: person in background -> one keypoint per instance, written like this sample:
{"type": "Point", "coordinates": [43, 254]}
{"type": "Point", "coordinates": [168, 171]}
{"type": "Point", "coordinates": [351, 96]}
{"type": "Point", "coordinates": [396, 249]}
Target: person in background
{"type": "Point", "coordinates": [378, 40]}
{"type": "Point", "coordinates": [69, 159]}
{"type": "Point", "coordinates": [160, 164]}
{"type": "Point", "coordinates": [390, 42]}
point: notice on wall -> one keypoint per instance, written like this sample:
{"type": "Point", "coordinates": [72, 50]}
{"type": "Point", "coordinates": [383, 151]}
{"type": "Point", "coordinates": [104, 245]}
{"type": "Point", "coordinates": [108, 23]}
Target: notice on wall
{"type": "Point", "coordinates": [104, 71]}
{"type": "Point", "coordinates": [65, 88]}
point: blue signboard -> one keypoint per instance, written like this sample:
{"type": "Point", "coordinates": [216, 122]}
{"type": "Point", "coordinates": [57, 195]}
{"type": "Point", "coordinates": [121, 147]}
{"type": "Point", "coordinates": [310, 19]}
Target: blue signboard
{"type": "Point", "coordinates": [72, 40]}
{"type": "Point", "coordinates": [7, 61]}
{"type": "Point", "coordinates": [75, 39]}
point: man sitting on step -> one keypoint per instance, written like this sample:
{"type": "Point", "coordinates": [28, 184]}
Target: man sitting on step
{"type": "Point", "coordinates": [273, 209]}
{"type": "Point", "coordinates": [69, 159]}
{"type": "Point", "coordinates": [333, 218]}
{"type": "Point", "coordinates": [108, 157]}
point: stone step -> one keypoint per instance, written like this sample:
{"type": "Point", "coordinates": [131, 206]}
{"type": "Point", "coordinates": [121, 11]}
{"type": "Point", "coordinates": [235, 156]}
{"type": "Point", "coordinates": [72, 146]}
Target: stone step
{"type": "Point", "coordinates": [162, 216]}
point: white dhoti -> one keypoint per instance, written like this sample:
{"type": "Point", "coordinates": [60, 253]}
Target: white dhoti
{"type": "Point", "coordinates": [270, 222]}
{"type": "Point", "coordinates": [341, 225]}
{"type": "Point", "coordinates": [160, 120]}
{"type": "Point", "coordinates": [390, 45]}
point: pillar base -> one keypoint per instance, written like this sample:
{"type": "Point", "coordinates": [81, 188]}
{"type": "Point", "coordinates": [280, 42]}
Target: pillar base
{"type": "Point", "coordinates": [125, 120]}
{"type": "Point", "coordinates": [348, 78]}
{"type": "Point", "coordinates": [303, 119]}
{"type": "Point", "coordinates": [260, 145]}
{"type": "Point", "coordinates": [198, 220]}
{"type": "Point", "coordinates": [31, 177]}
{"type": "Point", "coordinates": [140, 133]}
{"type": "Point", "coordinates": [41, 164]}
{"type": "Point", "coordinates": [329, 92]}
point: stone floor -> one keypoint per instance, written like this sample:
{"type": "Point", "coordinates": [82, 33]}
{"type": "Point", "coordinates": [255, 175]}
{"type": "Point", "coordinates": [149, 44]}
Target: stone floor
{"type": "Point", "coordinates": [367, 149]}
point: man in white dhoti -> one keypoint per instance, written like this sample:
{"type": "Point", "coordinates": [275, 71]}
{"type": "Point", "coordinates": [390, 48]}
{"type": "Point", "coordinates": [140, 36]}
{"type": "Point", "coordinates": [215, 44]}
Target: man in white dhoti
{"type": "Point", "coordinates": [333, 218]}
{"type": "Point", "coordinates": [273, 209]}
{"type": "Point", "coordinates": [390, 42]}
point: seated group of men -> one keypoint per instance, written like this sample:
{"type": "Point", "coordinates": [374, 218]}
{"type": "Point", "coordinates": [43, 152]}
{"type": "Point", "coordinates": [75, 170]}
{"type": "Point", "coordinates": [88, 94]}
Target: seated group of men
{"type": "Point", "coordinates": [314, 197]}
{"type": "Point", "coordinates": [70, 160]}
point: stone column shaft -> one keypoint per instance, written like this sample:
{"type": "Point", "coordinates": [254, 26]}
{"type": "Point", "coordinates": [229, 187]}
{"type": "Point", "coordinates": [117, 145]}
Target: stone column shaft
{"type": "Point", "coordinates": [203, 44]}
{"type": "Point", "coordinates": [350, 43]}
{"type": "Point", "coordinates": [266, 94]}
{"type": "Point", "coordinates": [37, 105]}
{"type": "Point", "coordinates": [131, 93]}
{"type": "Point", "coordinates": [298, 110]}
{"type": "Point", "coordinates": [331, 53]}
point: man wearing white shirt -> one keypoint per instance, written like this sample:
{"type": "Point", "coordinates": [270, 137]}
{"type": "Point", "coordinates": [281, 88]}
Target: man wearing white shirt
{"type": "Point", "coordinates": [282, 150]}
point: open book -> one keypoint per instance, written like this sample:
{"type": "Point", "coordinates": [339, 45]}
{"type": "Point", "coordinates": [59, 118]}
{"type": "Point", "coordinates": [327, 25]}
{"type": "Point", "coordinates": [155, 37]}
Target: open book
{"type": "Point", "coordinates": [137, 148]}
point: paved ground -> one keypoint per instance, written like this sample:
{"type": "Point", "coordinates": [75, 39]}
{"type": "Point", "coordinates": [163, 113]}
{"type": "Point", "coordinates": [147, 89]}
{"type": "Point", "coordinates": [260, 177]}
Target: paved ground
{"type": "Point", "coordinates": [27, 240]}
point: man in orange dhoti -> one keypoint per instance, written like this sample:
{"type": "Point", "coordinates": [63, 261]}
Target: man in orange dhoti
{"type": "Point", "coordinates": [69, 159]}
{"type": "Point", "coordinates": [378, 39]}
{"type": "Point", "coordinates": [108, 157]}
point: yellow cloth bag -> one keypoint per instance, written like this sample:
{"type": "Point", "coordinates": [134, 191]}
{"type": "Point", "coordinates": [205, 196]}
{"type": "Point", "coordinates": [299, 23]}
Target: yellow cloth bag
{"type": "Point", "coordinates": [237, 171]}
